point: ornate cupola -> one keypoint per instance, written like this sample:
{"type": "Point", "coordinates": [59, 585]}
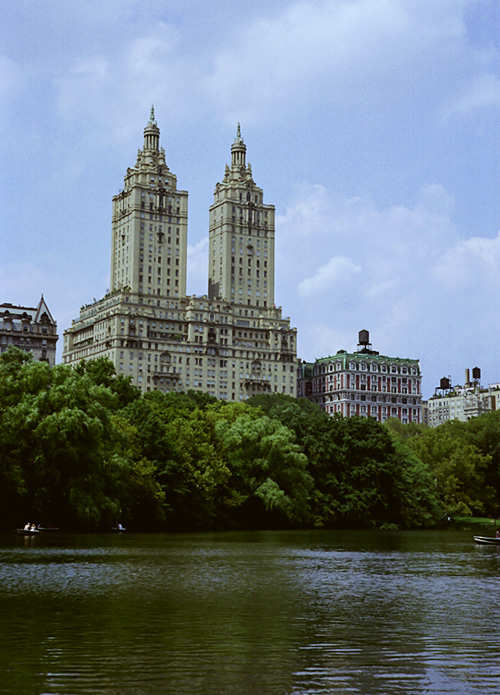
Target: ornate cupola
{"type": "Point", "coordinates": [151, 133]}
{"type": "Point", "coordinates": [238, 151]}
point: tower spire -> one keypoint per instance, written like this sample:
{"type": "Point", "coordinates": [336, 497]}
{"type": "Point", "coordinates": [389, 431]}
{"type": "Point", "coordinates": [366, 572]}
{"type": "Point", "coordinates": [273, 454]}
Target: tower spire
{"type": "Point", "coordinates": [238, 150]}
{"type": "Point", "coordinates": [151, 133]}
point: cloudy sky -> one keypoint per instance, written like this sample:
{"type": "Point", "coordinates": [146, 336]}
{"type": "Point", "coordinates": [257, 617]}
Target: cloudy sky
{"type": "Point", "coordinates": [371, 125]}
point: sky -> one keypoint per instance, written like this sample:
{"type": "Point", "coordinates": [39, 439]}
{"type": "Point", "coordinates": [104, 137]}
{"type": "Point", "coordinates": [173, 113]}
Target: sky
{"type": "Point", "coordinates": [371, 125]}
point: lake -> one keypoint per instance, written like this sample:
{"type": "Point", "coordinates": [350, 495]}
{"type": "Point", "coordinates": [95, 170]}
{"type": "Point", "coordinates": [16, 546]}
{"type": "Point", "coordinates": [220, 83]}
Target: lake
{"type": "Point", "coordinates": [258, 613]}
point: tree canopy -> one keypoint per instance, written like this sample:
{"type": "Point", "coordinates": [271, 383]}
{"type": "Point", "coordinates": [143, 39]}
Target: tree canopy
{"type": "Point", "coordinates": [83, 449]}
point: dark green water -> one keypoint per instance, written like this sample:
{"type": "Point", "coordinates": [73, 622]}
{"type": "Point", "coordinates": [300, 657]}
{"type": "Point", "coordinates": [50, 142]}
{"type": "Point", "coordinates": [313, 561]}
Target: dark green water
{"type": "Point", "coordinates": [249, 613]}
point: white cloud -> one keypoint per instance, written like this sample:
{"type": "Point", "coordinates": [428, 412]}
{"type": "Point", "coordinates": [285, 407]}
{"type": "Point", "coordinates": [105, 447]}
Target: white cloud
{"type": "Point", "coordinates": [300, 54]}
{"type": "Point", "coordinates": [400, 271]}
{"type": "Point", "coordinates": [85, 81]}
{"type": "Point", "coordinates": [338, 50]}
{"type": "Point", "coordinates": [482, 93]}
{"type": "Point", "coordinates": [344, 93]}
{"type": "Point", "coordinates": [147, 53]}
{"type": "Point", "coordinates": [392, 246]}
{"type": "Point", "coordinates": [157, 70]}
{"type": "Point", "coordinates": [472, 263]}
{"type": "Point", "coordinates": [378, 273]}
{"type": "Point", "coordinates": [305, 216]}
{"type": "Point", "coordinates": [327, 337]}
{"type": "Point", "coordinates": [339, 269]}
{"type": "Point", "coordinates": [111, 85]}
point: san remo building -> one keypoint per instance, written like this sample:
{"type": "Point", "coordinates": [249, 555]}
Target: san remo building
{"type": "Point", "coordinates": [232, 342]}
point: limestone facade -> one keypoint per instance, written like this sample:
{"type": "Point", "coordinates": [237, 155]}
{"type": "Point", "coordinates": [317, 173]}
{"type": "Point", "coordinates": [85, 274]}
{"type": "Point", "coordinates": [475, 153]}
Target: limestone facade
{"type": "Point", "coordinates": [149, 226]}
{"type": "Point", "coordinates": [241, 237]}
{"type": "Point", "coordinates": [230, 343]}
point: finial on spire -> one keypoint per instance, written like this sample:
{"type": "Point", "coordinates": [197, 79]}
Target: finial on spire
{"type": "Point", "coordinates": [151, 133]}
{"type": "Point", "coordinates": [238, 139]}
{"type": "Point", "coordinates": [238, 150]}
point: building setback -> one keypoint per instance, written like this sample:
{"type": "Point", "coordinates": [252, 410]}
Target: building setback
{"type": "Point", "coordinates": [31, 329]}
{"type": "Point", "coordinates": [364, 383]}
{"type": "Point", "coordinates": [233, 342]}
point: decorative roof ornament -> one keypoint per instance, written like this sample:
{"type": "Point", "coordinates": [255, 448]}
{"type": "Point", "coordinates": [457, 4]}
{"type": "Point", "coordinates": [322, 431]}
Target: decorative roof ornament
{"type": "Point", "coordinates": [152, 116]}
{"type": "Point", "coordinates": [238, 139]}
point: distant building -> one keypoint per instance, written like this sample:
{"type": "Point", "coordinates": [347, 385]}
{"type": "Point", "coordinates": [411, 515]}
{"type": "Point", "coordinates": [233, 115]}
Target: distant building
{"type": "Point", "coordinates": [231, 343]}
{"type": "Point", "coordinates": [462, 402]}
{"type": "Point", "coordinates": [364, 383]}
{"type": "Point", "coordinates": [31, 329]}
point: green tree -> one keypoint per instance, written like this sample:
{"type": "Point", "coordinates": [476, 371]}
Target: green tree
{"type": "Point", "coordinates": [101, 371]}
{"type": "Point", "coordinates": [458, 466]}
{"type": "Point", "coordinates": [269, 482]}
{"type": "Point", "coordinates": [484, 433]}
{"type": "Point", "coordinates": [177, 436]}
{"type": "Point", "coordinates": [141, 496]}
{"type": "Point", "coordinates": [366, 473]}
{"type": "Point", "coordinates": [415, 491]}
{"type": "Point", "coordinates": [57, 446]}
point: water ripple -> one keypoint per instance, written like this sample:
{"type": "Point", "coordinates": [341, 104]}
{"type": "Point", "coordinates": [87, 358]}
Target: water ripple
{"type": "Point", "coordinates": [244, 614]}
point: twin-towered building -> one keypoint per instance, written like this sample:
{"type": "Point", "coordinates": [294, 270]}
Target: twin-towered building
{"type": "Point", "coordinates": [231, 343]}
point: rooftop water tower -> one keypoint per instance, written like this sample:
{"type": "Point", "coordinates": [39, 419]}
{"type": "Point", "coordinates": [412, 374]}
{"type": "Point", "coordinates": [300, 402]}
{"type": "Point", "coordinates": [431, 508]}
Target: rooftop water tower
{"type": "Point", "coordinates": [364, 337]}
{"type": "Point", "coordinates": [364, 345]}
{"type": "Point", "coordinates": [444, 386]}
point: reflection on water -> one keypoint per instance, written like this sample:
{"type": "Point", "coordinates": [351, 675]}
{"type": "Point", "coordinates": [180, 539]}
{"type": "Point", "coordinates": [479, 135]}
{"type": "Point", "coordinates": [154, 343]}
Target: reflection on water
{"type": "Point", "coordinates": [258, 613]}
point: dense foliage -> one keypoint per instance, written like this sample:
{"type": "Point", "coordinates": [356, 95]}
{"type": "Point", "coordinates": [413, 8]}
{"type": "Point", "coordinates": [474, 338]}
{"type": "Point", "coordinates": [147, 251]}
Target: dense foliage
{"type": "Point", "coordinates": [83, 449]}
{"type": "Point", "coordinates": [464, 460]}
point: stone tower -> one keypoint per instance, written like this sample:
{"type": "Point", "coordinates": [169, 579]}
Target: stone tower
{"type": "Point", "coordinates": [232, 343]}
{"type": "Point", "coordinates": [241, 237]}
{"type": "Point", "coordinates": [149, 225]}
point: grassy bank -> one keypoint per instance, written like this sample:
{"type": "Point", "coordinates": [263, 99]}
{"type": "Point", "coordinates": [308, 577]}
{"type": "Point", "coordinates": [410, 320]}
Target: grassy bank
{"type": "Point", "coordinates": [475, 522]}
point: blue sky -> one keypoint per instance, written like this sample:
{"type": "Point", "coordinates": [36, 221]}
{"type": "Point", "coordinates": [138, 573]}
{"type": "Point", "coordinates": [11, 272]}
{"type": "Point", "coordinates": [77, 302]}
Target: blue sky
{"type": "Point", "coordinates": [371, 125]}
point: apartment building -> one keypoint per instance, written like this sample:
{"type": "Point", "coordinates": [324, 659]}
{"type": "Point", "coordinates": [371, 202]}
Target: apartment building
{"type": "Point", "coordinates": [232, 342]}
{"type": "Point", "coordinates": [32, 329]}
{"type": "Point", "coordinates": [364, 383]}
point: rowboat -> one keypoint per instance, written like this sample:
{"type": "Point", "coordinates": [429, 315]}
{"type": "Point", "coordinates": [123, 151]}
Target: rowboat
{"type": "Point", "coordinates": [487, 540]}
{"type": "Point", "coordinates": [28, 532]}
